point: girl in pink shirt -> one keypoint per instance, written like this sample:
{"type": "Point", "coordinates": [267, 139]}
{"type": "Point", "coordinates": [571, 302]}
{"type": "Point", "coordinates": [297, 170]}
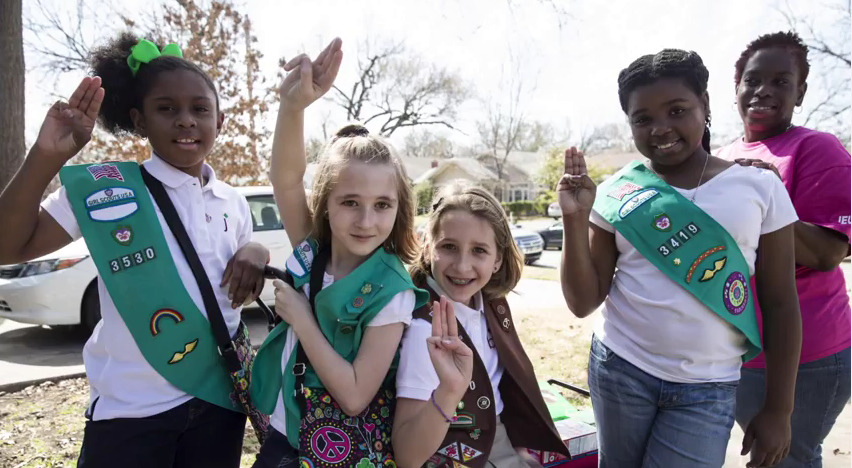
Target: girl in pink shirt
{"type": "Point", "coordinates": [814, 166]}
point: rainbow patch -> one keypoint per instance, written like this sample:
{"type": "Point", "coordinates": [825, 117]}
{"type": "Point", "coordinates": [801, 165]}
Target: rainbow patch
{"type": "Point", "coordinates": [162, 314]}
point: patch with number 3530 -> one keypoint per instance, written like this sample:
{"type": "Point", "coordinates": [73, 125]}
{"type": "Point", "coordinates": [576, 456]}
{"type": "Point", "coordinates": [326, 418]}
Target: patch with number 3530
{"type": "Point", "coordinates": [131, 260]}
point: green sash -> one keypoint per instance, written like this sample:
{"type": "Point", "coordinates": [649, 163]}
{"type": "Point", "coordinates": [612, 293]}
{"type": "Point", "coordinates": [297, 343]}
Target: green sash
{"type": "Point", "coordinates": [343, 310]}
{"type": "Point", "coordinates": [124, 236]}
{"type": "Point", "coordinates": [684, 242]}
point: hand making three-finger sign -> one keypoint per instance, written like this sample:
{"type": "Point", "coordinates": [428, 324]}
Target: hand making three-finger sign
{"type": "Point", "coordinates": [575, 190]}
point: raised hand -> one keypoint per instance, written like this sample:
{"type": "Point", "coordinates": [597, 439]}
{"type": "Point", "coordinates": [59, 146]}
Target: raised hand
{"type": "Point", "coordinates": [575, 190]}
{"type": "Point", "coordinates": [452, 359]}
{"type": "Point", "coordinates": [307, 80]}
{"type": "Point", "coordinates": [68, 126]}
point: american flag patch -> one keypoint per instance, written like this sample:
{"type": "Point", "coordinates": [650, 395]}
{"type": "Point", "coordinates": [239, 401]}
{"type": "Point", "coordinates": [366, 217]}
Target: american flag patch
{"type": "Point", "coordinates": [110, 171]}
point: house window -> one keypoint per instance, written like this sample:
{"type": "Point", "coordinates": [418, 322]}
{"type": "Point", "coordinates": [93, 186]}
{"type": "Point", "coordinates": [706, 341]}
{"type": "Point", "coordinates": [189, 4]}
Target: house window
{"type": "Point", "coordinates": [520, 195]}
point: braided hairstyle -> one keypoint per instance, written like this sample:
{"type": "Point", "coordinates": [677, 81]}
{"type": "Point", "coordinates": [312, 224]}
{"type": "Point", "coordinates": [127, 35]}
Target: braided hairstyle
{"type": "Point", "coordinates": [786, 40]}
{"type": "Point", "coordinates": [123, 91]}
{"type": "Point", "coordinates": [668, 63]}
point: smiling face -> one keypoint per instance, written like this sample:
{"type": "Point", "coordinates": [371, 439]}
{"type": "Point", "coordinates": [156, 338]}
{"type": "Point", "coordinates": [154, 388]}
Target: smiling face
{"type": "Point", "coordinates": [667, 119]}
{"type": "Point", "coordinates": [768, 92]}
{"type": "Point", "coordinates": [463, 254]}
{"type": "Point", "coordinates": [362, 209]}
{"type": "Point", "coordinates": [180, 119]}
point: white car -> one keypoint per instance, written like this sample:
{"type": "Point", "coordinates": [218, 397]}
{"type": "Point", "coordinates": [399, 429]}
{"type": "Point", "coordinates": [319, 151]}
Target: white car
{"type": "Point", "coordinates": [59, 288]}
{"type": "Point", "coordinates": [554, 211]}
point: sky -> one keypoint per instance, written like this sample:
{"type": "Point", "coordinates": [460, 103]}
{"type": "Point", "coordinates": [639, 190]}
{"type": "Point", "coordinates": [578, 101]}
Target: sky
{"type": "Point", "coordinates": [568, 52]}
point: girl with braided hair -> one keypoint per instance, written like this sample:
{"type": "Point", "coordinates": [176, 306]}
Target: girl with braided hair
{"type": "Point", "coordinates": [770, 78]}
{"type": "Point", "coordinates": [668, 246]}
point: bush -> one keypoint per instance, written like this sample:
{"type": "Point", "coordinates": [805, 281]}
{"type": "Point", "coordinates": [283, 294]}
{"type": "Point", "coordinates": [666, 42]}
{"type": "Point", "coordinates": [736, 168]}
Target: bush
{"type": "Point", "coordinates": [525, 208]}
{"type": "Point", "coordinates": [423, 194]}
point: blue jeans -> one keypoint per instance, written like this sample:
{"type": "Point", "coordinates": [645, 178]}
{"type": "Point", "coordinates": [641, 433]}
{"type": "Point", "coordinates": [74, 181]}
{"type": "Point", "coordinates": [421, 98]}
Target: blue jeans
{"type": "Point", "coordinates": [276, 452]}
{"type": "Point", "coordinates": [643, 421]}
{"type": "Point", "coordinates": [822, 390]}
{"type": "Point", "coordinates": [194, 434]}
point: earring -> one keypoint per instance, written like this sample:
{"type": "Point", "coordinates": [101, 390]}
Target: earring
{"type": "Point", "coordinates": [797, 110]}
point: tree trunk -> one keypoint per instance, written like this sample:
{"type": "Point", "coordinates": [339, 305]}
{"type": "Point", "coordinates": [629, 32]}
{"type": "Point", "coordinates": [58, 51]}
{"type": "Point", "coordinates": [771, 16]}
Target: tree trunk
{"type": "Point", "coordinates": [12, 145]}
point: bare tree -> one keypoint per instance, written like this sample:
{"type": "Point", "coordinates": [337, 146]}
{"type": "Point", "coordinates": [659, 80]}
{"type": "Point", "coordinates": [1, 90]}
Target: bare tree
{"type": "Point", "coordinates": [396, 89]}
{"type": "Point", "coordinates": [12, 74]}
{"type": "Point", "coordinates": [830, 55]}
{"type": "Point", "coordinates": [426, 144]}
{"type": "Point", "coordinates": [610, 136]}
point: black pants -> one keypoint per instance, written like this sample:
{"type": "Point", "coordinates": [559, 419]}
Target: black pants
{"type": "Point", "coordinates": [194, 434]}
{"type": "Point", "coordinates": [276, 452]}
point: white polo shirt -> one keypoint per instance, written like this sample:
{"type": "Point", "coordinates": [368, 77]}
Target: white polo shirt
{"type": "Point", "coordinates": [122, 383]}
{"type": "Point", "coordinates": [416, 377]}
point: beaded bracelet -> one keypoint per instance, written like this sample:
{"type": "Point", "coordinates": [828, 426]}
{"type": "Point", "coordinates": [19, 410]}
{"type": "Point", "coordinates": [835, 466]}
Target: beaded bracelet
{"type": "Point", "coordinates": [435, 404]}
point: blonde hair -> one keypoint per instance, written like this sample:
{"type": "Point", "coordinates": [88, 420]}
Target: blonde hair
{"type": "Point", "coordinates": [353, 143]}
{"type": "Point", "coordinates": [481, 203]}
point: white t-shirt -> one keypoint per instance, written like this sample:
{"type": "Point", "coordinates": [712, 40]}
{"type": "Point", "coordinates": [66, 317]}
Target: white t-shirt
{"type": "Point", "coordinates": [122, 383]}
{"type": "Point", "coordinates": [659, 327]}
{"type": "Point", "coordinates": [397, 310]}
{"type": "Point", "coordinates": [416, 377]}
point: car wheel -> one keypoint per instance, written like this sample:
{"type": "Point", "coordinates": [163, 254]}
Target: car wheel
{"type": "Point", "coordinates": [90, 310]}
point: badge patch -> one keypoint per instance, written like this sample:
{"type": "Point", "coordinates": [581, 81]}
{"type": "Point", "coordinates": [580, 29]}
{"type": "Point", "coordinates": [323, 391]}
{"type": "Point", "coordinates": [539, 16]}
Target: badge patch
{"type": "Point", "coordinates": [111, 204]}
{"type": "Point", "coordinates": [700, 259]}
{"type": "Point", "coordinates": [367, 288]}
{"type": "Point", "coordinates": [131, 260]}
{"type": "Point", "coordinates": [636, 201]}
{"type": "Point", "coordinates": [451, 451]}
{"type": "Point", "coordinates": [123, 235]}
{"type": "Point", "coordinates": [469, 453]}
{"type": "Point", "coordinates": [623, 190]}
{"type": "Point", "coordinates": [735, 294]}
{"type": "Point", "coordinates": [110, 171]}
{"type": "Point", "coordinates": [483, 402]}
{"type": "Point", "coordinates": [188, 348]}
{"type": "Point", "coordinates": [662, 222]}
{"type": "Point", "coordinates": [161, 315]}
{"type": "Point", "coordinates": [717, 266]}
{"type": "Point", "coordinates": [463, 420]}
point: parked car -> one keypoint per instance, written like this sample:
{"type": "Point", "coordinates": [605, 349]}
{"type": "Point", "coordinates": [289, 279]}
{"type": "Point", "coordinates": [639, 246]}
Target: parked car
{"type": "Point", "coordinates": [552, 236]}
{"type": "Point", "coordinates": [529, 243]}
{"type": "Point", "coordinates": [554, 211]}
{"type": "Point", "coordinates": [60, 289]}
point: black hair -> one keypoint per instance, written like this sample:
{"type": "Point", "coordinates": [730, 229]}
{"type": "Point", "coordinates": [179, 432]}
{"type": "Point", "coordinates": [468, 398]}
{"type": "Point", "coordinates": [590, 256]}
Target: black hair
{"type": "Point", "coordinates": [786, 40]}
{"type": "Point", "coordinates": [123, 91]}
{"type": "Point", "coordinates": [668, 63]}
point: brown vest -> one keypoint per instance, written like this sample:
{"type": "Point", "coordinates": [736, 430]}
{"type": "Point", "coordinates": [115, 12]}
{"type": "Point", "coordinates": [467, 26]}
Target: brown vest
{"type": "Point", "coordinates": [528, 423]}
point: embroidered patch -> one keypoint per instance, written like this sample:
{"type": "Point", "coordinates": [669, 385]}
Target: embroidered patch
{"type": "Point", "coordinates": [501, 309]}
{"type": "Point", "coordinates": [161, 315]}
{"type": "Point", "coordinates": [123, 235]}
{"type": "Point", "coordinates": [367, 288]}
{"type": "Point", "coordinates": [636, 201]}
{"type": "Point", "coordinates": [110, 171]}
{"type": "Point", "coordinates": [506, 323]}
{"type": "Point", "coordinates": [128, 261]}
{"type": "Point", "coordinates": [469, 453]}
{"type": "Point", "coordinates": [662, 222]}
{"type": "Point", "coordinates": [623, 190]}
{"type": "Point", "coordinates": [676, 262]}
{"type": "Point", "coordinates": [451, 451]}
{"type": "Point", "coordinates": [735, 294]}
{"type": "Point", "coordinates": [463, 420]}
{"type": "Point", "coordinates": [358, 302]}
{"type": "Point", "coordinates": [483, 402]}
{"type": "Point", "coordinates": [187, 348]}
{"type": "Point", "coordinates": [717, 266]}
{"type": "Point", "coordinates": [701, 258]}
{"type": "Point", "coordinates": [474, 434]}
{"type": "Point", "coordinates": [111, 204]}
{"type": "Point", "coordinates": [458, 465]}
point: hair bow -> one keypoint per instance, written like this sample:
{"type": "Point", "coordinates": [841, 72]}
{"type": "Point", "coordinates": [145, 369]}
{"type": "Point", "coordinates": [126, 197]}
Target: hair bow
{"type": "Point", "coordinates": [144, 51]}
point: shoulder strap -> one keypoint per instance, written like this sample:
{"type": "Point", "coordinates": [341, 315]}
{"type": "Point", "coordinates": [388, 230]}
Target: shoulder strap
{"type": "Point", "coordinates": [315, 285]}
{"type": "Point", "coordinates": [214, 313]}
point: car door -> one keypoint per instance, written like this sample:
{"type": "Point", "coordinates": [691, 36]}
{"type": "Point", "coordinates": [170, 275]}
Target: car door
{"type": "Point", "coordinates": [268, 230]}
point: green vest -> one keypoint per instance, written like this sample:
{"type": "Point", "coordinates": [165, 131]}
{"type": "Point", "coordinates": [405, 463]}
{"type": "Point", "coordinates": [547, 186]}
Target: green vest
{"type": "Point", "coordinates": [121, 229]}
{"type": "Point", "coordinates": [343, 310]}
{"type": "Point", "coordinates": [684, 242]}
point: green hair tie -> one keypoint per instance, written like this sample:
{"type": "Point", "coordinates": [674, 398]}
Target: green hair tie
{"type": "Point", "coordinates": [144, 51]}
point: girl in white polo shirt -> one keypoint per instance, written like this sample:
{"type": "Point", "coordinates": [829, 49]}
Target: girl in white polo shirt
{"type": "Point", "coordinates": [159, 394]}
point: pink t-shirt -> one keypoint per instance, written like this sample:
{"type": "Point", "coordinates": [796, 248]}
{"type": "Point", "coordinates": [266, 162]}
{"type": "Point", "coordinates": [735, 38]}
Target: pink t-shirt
{"type": "Point", "coordinates": [814, 167]}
